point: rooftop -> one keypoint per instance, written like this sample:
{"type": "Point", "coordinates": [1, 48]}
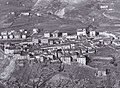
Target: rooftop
{"type": "Point", "coordinates": [101, 58]}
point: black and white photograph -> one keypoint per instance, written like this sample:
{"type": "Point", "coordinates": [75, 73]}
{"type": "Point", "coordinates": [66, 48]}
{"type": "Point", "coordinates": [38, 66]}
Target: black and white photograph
{"type": "Point", "coordinates": [59, 43]}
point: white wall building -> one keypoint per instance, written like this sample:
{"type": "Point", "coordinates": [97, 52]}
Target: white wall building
{"type": "Point", "coordinates": [92, 33]}
{"type": "Point", "coordinates": [7, 51]}
{"type": "Point", "coordinates": [11, 36]}
{"type": "Point", "coordinates": [24, 36]}
{"type": "Point", "coordinates": [47, 34]}
{"type": "Point", "coordinates": [66, 59]}
{"type": "Point", "coordinates": [5, 37]}
{"type": "Point", "coordinates": [44, 41]}
{"type": "Point", "coordinates": [64, 34]}
{"type": "Point", "coordinates": [81, 60]}
{"type": "Point", "coordinates": [81, 32]}
{"type": "Point", "coordinates": [25, 13]}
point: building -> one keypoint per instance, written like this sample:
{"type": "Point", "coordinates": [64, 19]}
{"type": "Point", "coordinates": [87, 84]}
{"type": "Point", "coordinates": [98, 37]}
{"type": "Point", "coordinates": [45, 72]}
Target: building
{"type": "Point", "coordinates": [116, 43]}
{"type": "Point", "coordinates": [64, 34]}
{"type": "Point", "coordinates": [35, 41]}
{"type": "Point", "coordinates": [50, 56]}
{"type": "Point", "coordinates": [5, 37]}
{"type": "Point", "coordinates": [66, 59]}
{"type": "Point", "coordinates": [71, 37]}
{"type": "Point", "coordinates": [11, 36]}
{"type": "Point", "coordinates": [23, 36]}
{"type": "Point", "coordinates": [81, 60]}
{"type": "Point", "coordinates": [103, 6]}
{"type": "Point", "coordinates": [44, 41]}
{"type": "Point", "coordinates": [47, 34]}
{"type": "Point", "coordinates": [81, 32]}
{"type": "Point", "coordinates": [25, 14]}
{"type": "Point", "coordinates": [107, 41]}
{"type": "Point", "coordinates": [4, 33]}
{"type": "Point", "coordinates": [35, 30]}
{"type": "Point", "coordinates": [55, 33]}
{"type": "Point", "coordinates": [17, 36]}
{"type": "Point", "coordinates": [101, 73]}
{"type": "Point", "coordinates": [8, 51]}
{"type": "Point", "coordinates": [1, 37]}
{"type": "Point", "coordinates": [101, 59]}
{"type": "Point", "coordinates": [92, 33]}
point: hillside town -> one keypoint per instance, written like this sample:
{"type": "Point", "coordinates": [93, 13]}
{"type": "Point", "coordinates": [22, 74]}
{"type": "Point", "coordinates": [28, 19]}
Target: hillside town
{"type": "Point", "coordinates": [84, 47]}
{"type": "Point", "coordinates": [59, 44]}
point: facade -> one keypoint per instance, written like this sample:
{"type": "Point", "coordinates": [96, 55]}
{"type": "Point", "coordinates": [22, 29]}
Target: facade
{"type": "Point", "coordinates": [66, 60]}
{"type": "Point", "coordinates": [64, 34]}
{"type": "Point", "coordinates": [116, 43]}
{"type": "Point", "coordinates": [5, 37]}
{"type": "Point", "coordinates": [47, 34]}
{"type": "Point", "coordinates": [55, 34]}
{"type": "Point", "coordinates": [101, 73]}
{"type": "Point", "coordinates": [92, 33]}
{"type": "Point", "coordinates": [25, 13]}
{"type": "Point", "coordinates": [24, 36]}
{"type": "Point", "coordinates": [11, 36]}
{"type": "Point", "coordinates": [34, 40]}
{"type": "Point", "coordinates": [81, 60]}
{"type": "Point", "coordinates": [44, 41]}
{"type": "Point", "coordinates": [79, 32]}
{"type": "Point", "coordinates": [82, 32]}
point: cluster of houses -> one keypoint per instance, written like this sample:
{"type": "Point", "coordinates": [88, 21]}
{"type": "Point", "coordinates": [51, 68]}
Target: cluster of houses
{"type": "Point", "coordinates": [61, 47]}
{"type": "Point", "coordinates": [104, 5]}
{"type": "Point", "coordinates": [12, 35]}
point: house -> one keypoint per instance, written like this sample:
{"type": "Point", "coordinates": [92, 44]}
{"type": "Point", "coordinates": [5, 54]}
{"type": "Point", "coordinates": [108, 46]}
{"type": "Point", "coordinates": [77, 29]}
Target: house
{"type": "Point", "coordinates": [11, 36]}
{"type": "Point", "coordinates": [55, 33]}
{"type": "Point", "coordinates": [8, 51]}
{"type": "Point", "coordinates": [79, 32]}
{"type": "Point", "coordinates": [92, 33]}
{"type": "Point", "coordinates": [66, 59]}
{"type": "Point", "coordinates": [101, 73]}
{"type": "Point", "coordinates": [83, 50]}
{"type": "Point", "coordinates": [65, 46]}
{"type": "Point", "coordinates": [64, 34]}
{"type": "Point", "coordinates": [4, 33]}
{"type": "Point", "coordinates": [81, 60]}
{"type": "Point", "coordinates": [1, 37]}
{"type": "Point", "coordinates": [12, 13]}
{"type": "Point", "coordinates": [74, 56]}
{"type": "Point", "coordinates": [107, 41]}
{"type": "Point", "coordinates": [50, 56]}
{"type": "Point", "coordinates": [25, 13]}
{"type": "Point", "coordinates": [53, 40]}
{"type": "Point", "coordinates": [101, 59]}
{"type": "Point", "coordinates": [90, 30]}
{"type": "Point", "coordinates": [91, 50]}
{"type": "Point", "coordinates": [23, 36]}
{"type": "Point", "coordinates": [47, 34]}
{"type": "Point", "coordinates": [35, 41]}
{"type": "Point", "coordinates": [35, 30]}
{"type": "Point", "coordinates": [103, 6]}
{"type": "Point", "coordinates": [44, 41]}
{"type": "Point", "coordinates": [38, 14]}
{"type": "Point", "coordinates": [116, 43]}
{"type": "Point", "coordinates": [17, 36]}
{"type": "Point", "coordinates": [82, 31]}
{"type": "Point", "coordinates": [71, 37]}
{"type": "Point", "coordinates": [5, 37]}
